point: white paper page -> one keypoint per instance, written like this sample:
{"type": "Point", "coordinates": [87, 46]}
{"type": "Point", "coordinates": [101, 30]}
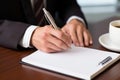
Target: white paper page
{"type": "Point", "coordinates": [78, 62]}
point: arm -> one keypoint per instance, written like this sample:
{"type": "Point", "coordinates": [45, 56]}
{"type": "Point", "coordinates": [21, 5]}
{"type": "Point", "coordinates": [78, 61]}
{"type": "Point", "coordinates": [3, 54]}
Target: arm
{"type": "Point", "coordinates": [10, 35]}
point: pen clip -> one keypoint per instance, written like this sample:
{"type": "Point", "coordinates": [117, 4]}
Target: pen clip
{"type": "Point", "coordinates": [105, 60]}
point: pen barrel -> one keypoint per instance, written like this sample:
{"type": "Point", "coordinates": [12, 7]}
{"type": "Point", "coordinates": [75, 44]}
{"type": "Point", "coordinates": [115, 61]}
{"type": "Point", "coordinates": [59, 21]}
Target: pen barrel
{"type": "Point", "coordinates": [50, 19]}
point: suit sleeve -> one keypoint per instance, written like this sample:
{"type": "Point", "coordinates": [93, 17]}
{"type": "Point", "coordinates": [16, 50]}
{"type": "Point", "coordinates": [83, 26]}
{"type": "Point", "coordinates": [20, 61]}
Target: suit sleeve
{"type": "Point", "coordinates": [11, 33]}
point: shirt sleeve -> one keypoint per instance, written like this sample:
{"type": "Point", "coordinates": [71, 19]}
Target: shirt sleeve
{"type": "Point", "coordinates": [25, 41]}
{"type": "Point", "coordinates": [76, 17]}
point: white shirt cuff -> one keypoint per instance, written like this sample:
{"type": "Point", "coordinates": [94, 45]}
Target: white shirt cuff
{"type": "Point", "coordinates": [76, 17]}
{"type": "Point", "coordinates": [25, 41]}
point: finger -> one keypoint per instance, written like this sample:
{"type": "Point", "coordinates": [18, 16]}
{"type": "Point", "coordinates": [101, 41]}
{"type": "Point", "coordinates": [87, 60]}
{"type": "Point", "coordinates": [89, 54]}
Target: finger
{"type": "Point", "coordinates": [46, 46]}
{"type": "Point", "coordinates": [73, 34]}
{"type": "Point", "coordinates": [57, 43]}
{"type": "Point", "coordinates": [87, 38]}
{"type": "Point", "coordinates": [80, 36]}
{"type": "Point", "coordinates": [90, 41]}
{"type": "Point", "coordinates": [65, 31]}
{"type": "Point", "coordinates": [61, 37]}
{"type": "Point", "coordinates": [48, 50]}
{"type": "Point", "coordinates": [53, 47]}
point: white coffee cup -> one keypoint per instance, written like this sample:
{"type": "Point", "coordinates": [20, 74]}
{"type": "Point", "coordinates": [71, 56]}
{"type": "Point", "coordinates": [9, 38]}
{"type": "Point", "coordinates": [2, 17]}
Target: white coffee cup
{"type": "Point", "coordinates": [114, 32]}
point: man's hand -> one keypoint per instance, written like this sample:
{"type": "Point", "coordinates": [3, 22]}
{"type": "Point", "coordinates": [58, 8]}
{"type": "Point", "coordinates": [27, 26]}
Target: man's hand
{"type": "Point", "coordinates": [79, 34]}
{"type": "Point", "coordinates": [50, 40]}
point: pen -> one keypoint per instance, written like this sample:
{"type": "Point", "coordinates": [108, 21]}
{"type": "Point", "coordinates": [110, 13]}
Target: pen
{"type": "Point", "coordinates": [105, 60]}
{"type": "Point", "coordinates": [49, 18]}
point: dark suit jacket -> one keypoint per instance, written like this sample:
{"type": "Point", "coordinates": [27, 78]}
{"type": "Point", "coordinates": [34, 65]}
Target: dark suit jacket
{"type": "Point", "coordinates": [17, 15]}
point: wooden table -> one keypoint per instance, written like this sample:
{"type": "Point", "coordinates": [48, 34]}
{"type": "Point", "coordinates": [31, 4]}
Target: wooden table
{"type": "Point", "coordinates": [12, 69]}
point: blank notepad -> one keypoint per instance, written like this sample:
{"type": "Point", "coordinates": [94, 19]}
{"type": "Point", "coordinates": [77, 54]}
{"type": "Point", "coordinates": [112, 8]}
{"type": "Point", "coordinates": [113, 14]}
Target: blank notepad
{"type": "Point", "coordinates": [78, 62]}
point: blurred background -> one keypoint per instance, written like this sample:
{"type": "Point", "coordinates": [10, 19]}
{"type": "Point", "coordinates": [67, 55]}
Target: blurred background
{"type": "Point", "coordinates": [96, 10]}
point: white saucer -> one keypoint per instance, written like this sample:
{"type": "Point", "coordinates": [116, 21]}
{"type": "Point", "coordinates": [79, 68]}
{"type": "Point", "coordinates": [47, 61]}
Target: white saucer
{"type": "Point", "coordinates": [105, 42]}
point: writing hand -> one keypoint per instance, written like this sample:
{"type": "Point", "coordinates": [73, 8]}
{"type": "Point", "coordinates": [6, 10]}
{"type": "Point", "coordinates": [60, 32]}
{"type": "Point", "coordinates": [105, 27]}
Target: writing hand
{"type": "Point", "coordinates": [50, 40]}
